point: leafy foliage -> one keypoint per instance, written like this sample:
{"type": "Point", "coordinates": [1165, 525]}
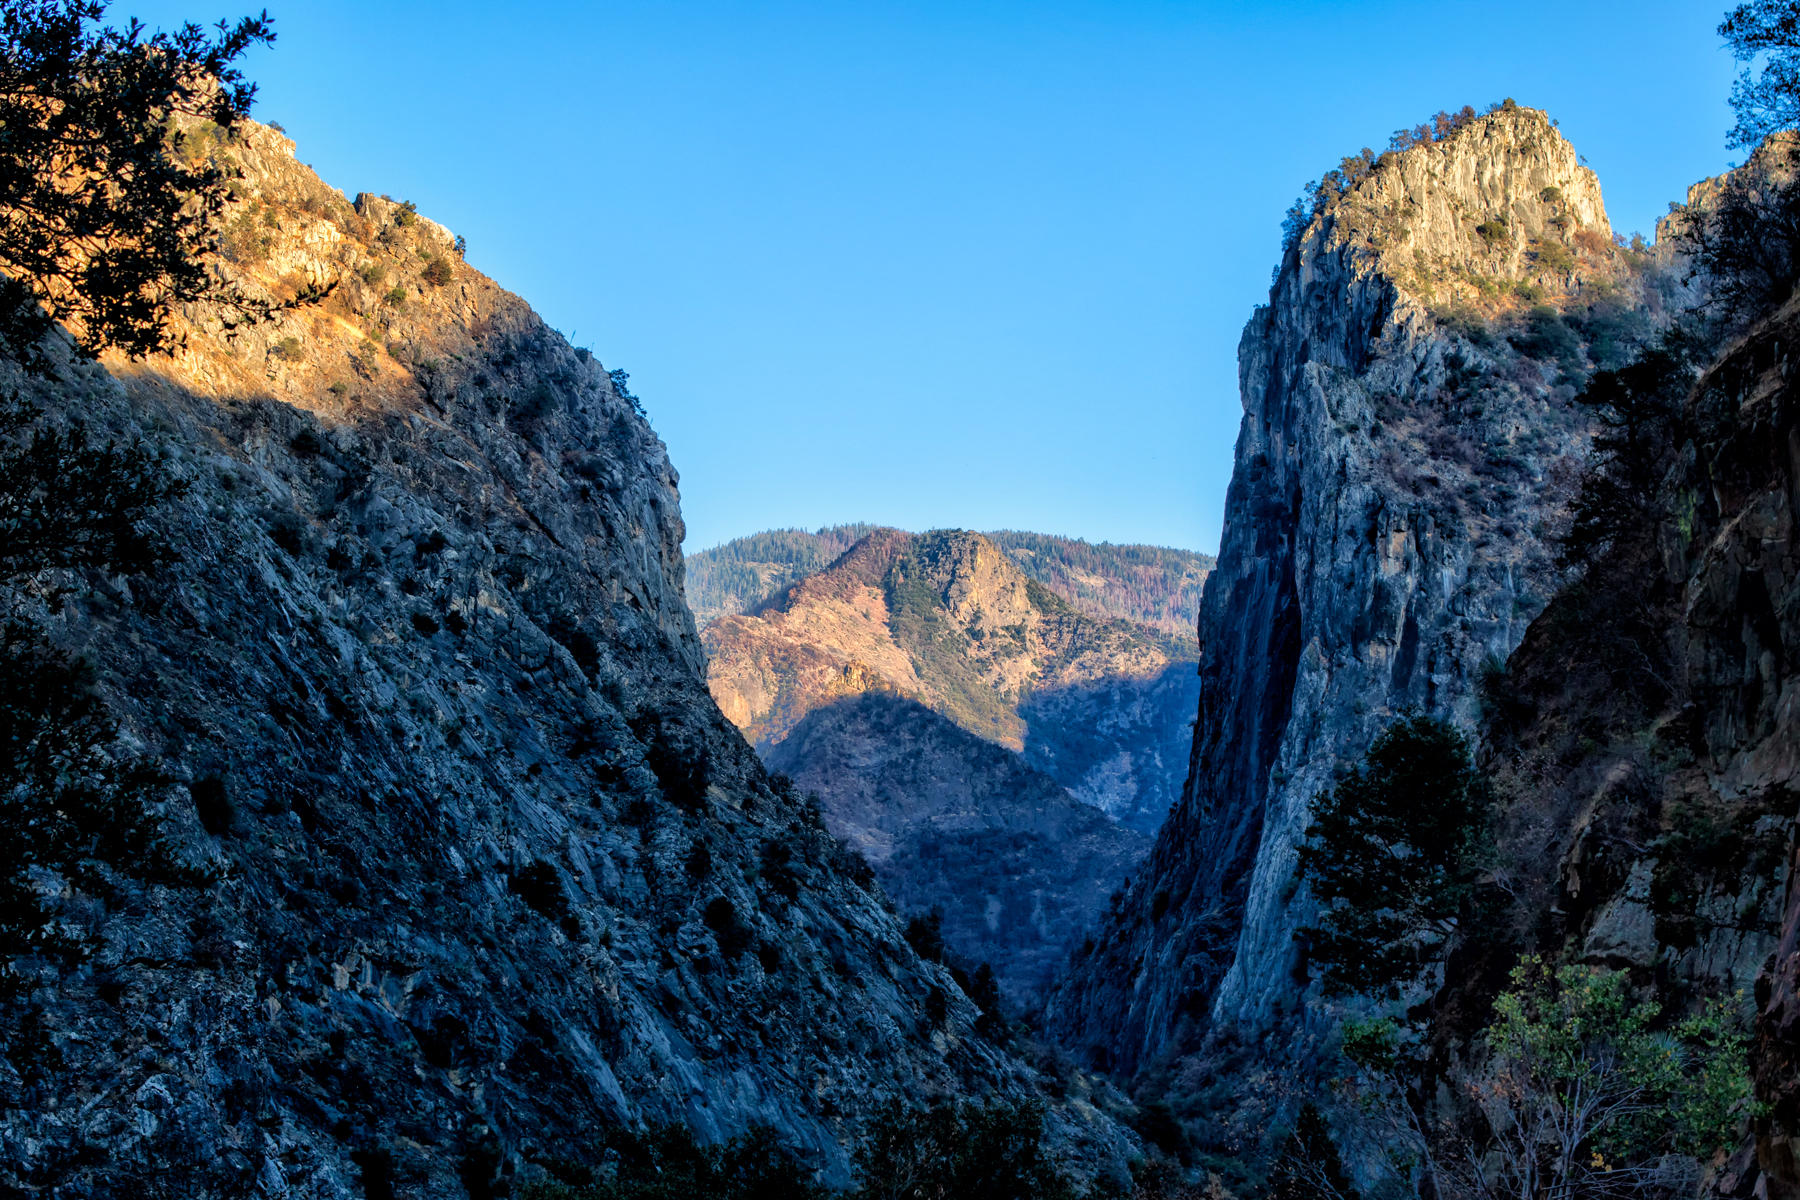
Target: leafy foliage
{"type": "Point", "coordinates": [1309, 1166]}
{"type": "Point", "coordinates": [1743, 240]}
{"type": "Point", "coordinates": [1588, 1094]}
{"type": "Point", "coordinates": [1637, 407]}
{"type": "Point", "coordinates": [1395, 852]}
{"type": "Point", "coordinates": [950, 1151]}
{"type": "Point", "coordinates": [1765, 36]}
{"type": "Point", "coordinates": [69, 504]}
{"type": "Point", "coordinates": [106, 222]}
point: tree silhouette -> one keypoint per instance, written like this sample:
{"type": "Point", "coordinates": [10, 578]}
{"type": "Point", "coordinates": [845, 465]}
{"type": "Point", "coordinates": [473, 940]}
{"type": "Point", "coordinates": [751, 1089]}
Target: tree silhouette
{"type": "Point", "coordinates": [104, 222]}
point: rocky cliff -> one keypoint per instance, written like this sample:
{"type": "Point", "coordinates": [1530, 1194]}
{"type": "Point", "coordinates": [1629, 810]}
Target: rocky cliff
{"type": "Point", "coordinates": [486, 868]}
{"type": "Point", "coordinates": [1408, 448]}
{"type": "Point", "coordinates": [1017, 867]}
{"type": "Point", "coordinates": [946, 618]}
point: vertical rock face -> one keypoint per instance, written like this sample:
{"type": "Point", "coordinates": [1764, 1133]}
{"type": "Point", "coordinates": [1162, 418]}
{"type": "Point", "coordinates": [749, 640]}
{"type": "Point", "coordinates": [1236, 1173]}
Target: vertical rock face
{"type": "Point", "coordinates": [1408, 443]}
{"type": "Point", "coordinates": [487, 867]}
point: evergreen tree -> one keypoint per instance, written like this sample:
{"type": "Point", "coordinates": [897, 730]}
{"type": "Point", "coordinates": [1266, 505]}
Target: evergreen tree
{"type": "Point", "coordinates": [1765, 36]}
{"type": "Point", "coordinates": [1394, 854]}
{"type": "Point", "coordinates": [107, 223]}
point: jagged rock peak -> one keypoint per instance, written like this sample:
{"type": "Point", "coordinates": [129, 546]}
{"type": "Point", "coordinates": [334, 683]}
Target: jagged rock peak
{"type": "Point", "coordinates": [1497, 214]}
{"type": "Point", "coordinates": [1409, 444]}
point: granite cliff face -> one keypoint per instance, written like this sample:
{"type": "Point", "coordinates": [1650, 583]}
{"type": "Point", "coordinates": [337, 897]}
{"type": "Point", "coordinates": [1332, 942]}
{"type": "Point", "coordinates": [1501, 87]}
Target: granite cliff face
{"type": "Point", "coordinates": [946, 618]}
{"type": "Point", "coordinates": [1017, 867]}
{"type": "Point", "coordinates": [489, 867]}
{"type": "Point", "coordinates": [1408, 447]}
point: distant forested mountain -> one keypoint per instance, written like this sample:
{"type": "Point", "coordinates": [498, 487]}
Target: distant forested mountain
{"type": "Point", "coordinates": [744, 572]}
{"type": "Point", "coordinates": [1149, 585]}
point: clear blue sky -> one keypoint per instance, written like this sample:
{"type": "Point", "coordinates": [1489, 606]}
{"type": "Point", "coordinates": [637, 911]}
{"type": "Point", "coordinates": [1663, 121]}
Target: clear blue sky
{"type": "Point", "coordinates": [940, 263]}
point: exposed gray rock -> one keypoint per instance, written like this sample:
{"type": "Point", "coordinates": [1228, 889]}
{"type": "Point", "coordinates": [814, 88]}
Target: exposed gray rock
{"type": "Point", "coordinates": [1408, 446]}
{"type": "Point", "coordinates": [490, 876]}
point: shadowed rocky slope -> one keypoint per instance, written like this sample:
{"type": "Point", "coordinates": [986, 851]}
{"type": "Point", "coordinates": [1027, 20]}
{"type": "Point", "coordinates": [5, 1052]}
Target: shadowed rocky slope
{"type": "Point", "coordinates": [1019, 869]}
{"type": "Point", "coordinates": [490, 869]}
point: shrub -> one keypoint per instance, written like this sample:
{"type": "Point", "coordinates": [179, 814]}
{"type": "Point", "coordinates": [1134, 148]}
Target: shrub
{"type": "Point", "coordinates": [1554, 256]}
{"type": "Point", "coordinates": [406, 214]}
{"type": "Point", "coordinates": [729, 930]}
{"type": "Point", "coordinates": [994, 1151]}
{"type": "Point", "coordinates": [1582, 1088]}
{"type": "Point", "coordinates": [776, 868]}
{"type": "Point", "coordinates": [1548, 338]}
{"type": "Point", "coordinates": [1309, 1167]}
{"type": "Point", "coordinates": [926, 936]}
{"type": "Point", "coordinates": [1494, 231]}
{"type": "Point", "coordinates": [438, 271]}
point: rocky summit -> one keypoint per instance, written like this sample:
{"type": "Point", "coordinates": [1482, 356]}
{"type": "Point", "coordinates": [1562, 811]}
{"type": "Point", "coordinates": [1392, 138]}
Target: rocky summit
{"type": "Point", "coordinates": [1409, 449]}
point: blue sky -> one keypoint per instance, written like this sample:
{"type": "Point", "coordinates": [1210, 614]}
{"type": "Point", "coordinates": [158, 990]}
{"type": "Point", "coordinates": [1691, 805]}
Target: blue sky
{"type": "Point", "coordinates": [949, 263]}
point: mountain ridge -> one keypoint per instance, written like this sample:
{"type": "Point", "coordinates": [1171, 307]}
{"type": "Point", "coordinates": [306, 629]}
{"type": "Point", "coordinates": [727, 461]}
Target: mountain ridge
{"type": "Point", "coordinates": [947, 618]}
{"type": "Point", "coordinates": [1150, 585]}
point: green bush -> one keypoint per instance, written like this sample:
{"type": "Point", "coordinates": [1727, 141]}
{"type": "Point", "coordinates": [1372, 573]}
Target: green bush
{"type": "Point", "coordinates": [397, 294]}
{"type": "Point", "coordinates": [1494, 231]}
{"type": "Point", "coordinates": [1587, 1087]}
{"type": "Point", "coordinates": [438, 271]}
{"type": "Point", "coordinates": [1554, 256]}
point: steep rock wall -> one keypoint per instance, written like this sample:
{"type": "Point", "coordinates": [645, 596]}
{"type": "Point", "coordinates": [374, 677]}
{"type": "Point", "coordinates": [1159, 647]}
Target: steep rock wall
{"type": "Point", "coordinates": [1408, 444]}
{"type": "Point", "coordinates": [1016, 866]}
